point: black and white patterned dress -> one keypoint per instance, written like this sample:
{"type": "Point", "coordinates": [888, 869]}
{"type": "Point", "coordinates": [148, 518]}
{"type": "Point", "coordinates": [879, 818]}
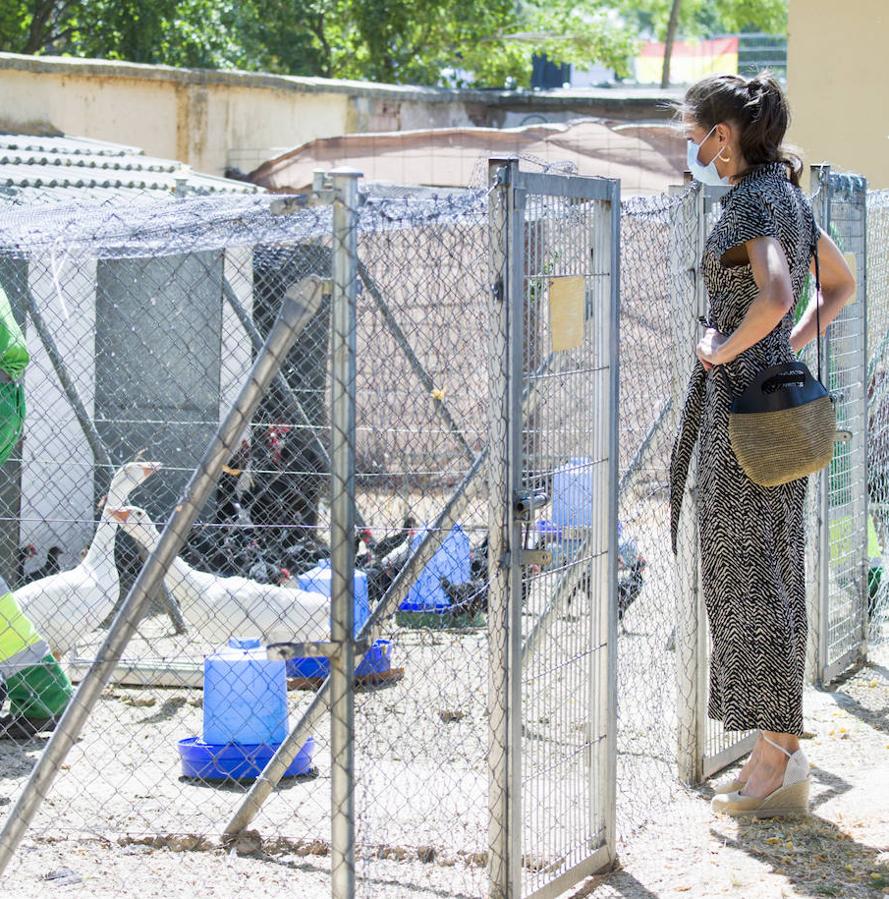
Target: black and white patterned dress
{"type": "Point", "coordinates": [751, 537]}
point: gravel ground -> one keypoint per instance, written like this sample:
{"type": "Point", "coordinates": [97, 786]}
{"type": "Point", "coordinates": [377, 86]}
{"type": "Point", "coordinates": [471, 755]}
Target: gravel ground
{"type": "Point", "coordinates": [841, 850]}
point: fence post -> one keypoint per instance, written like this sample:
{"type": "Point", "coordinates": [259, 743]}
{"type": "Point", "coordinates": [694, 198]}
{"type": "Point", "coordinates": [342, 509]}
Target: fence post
{"type": "Point", "coordinates": [819, 606]}
{"type": "Point", "coordinates": [502, 793]}
{"type": "Point", "coordinates": [687, 288]}
{"type": "Point", "coordinates": [342, 531]}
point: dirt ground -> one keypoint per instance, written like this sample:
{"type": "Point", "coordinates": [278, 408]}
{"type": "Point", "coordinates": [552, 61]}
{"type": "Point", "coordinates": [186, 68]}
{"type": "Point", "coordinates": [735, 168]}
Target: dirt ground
{"type": "Point", "coordinates": [842, 850]}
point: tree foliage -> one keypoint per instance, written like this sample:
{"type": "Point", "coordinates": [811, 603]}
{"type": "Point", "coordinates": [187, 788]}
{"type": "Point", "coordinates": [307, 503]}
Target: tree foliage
{"type": "Point", "coordinates": [457, 42]}
{"type": "Point", "coordinates": [700, 18]}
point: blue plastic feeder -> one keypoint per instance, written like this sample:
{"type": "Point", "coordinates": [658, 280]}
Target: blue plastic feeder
{"type": "Point", "coordinates": [318, 580]}
{"type": "Point", "coordinates": [245, 697]}
{"type": "Point", "coordinates": [245, 716]}
{"type": "Point", "coordinates": [377, 660]}
{"type": "Point", "coordinates": [451, 561]}
{"type": "Point", "coordinates": [236, 761]}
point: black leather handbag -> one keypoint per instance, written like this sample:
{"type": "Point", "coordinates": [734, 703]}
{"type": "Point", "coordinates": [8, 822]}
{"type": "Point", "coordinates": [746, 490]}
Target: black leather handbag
{"type": "Point", "coordinates": [782, 426]}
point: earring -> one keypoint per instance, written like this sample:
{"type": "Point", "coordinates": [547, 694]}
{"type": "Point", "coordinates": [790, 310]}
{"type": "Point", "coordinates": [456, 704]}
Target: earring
{"type": "Point", "coordinates": [719, 156]}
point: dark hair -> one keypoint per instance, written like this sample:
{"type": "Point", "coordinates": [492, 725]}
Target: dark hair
{"type": "Point", "coordinates": [758, 106]}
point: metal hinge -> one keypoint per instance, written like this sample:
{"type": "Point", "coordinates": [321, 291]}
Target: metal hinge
{"type": "Point", "coordinates": [541, 557]}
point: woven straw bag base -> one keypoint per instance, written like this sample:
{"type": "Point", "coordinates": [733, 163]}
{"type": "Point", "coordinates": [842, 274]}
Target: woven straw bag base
{"type": "Point", "coordinates": [776, 447]}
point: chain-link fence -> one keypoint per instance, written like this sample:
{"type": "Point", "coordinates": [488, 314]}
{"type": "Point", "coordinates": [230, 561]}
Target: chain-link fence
{"type": "Point", "coordinates": [412, 435]}
{"type": "Point", "coordinates": [366, 447]}
{"type": "Point", "coordinates": [877, 392]}
{"type": "Point", "coordinates": [839, 612]}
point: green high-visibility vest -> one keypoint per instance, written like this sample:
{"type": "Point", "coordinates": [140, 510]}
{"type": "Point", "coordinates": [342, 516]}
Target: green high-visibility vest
{"type": "Point", "coordinates": [20, 644]}
{"type": "Point", "coordinates": [14, 359]}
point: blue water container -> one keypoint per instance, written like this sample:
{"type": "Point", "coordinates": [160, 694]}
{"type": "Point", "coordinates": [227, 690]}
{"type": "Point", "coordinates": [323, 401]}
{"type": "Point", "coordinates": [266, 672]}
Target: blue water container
{"type": "Point", "coordinates": [318, 580]}
{"type": "Point", "coordinates": [573, 494]}
{"type": "Point", "coordinates": [450, 561]}
{"type": "Point", "coordinates": [245, 698]}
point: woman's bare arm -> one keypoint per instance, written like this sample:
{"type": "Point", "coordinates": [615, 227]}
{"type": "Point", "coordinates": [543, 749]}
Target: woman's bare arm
{"type": "Point", "coordinates": [837, 288]}
{"type": "Point", "coordinates": [774, 298]}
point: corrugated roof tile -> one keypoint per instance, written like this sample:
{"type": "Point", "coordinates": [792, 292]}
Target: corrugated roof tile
{"type": "Point", "coordinates": [37, 170]}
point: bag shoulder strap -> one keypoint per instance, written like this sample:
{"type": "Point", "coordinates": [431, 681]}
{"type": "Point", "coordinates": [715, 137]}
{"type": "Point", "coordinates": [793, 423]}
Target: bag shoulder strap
{"type": "Point", "coordinates": [817, 301]}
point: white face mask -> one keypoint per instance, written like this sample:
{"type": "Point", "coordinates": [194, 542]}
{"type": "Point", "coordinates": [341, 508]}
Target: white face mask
{"type": "Point", "coordinates": [706, 174]}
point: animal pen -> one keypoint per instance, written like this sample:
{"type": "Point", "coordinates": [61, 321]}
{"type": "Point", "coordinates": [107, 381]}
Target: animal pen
{"type": "Point", "coordinates": [460, 406]}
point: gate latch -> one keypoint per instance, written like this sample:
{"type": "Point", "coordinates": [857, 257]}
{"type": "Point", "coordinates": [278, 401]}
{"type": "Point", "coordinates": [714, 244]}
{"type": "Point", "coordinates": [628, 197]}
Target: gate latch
{"type": "Point", "coordinates": [526, 502]}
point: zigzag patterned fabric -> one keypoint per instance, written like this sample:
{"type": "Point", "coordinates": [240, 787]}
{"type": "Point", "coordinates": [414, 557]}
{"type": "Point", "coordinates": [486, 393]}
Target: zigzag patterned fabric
{"type": "Point", "coordinates": [752, 538]}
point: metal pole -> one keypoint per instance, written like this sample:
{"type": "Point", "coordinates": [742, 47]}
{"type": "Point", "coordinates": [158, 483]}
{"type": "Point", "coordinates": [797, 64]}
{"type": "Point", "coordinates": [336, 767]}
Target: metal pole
{"type": "Point", "coordinates": [295, 314]}
{"type": "Point", "coordinates": [822, 175]}
{"type": "Point", "coordinates": [610, 785]}
{"type": "Point", "coordinates": [689, 659]}
{"type": "Point", "coordinates": [342, 531]}
{"type": "Point", "coordinates": [500, 174]}
{"type": "Point", "coordinates": [861, 289]}
{"type": "Point", "coordinates": [285, 754]}
{"type": "Point", "coordinates": [517, 338]}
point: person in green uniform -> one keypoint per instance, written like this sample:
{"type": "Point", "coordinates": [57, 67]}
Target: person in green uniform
{"type": "Point", "coordinates": [37, 686]}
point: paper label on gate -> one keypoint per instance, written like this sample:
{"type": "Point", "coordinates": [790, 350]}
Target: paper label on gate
{"type": "Point", "coordinates": [566, 305]}
{"type": "Point", "coordinates": [851, 261]}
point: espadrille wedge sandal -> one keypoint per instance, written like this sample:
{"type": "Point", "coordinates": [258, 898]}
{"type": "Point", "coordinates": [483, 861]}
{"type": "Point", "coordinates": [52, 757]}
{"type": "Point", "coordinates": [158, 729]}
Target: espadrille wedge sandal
{"type": "Point", "coordinates": [728, 786]}
{"type": "Point", "coordinates": [791, 798]}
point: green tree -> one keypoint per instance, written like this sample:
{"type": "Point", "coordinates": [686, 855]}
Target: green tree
{"type": "Point", "coordinates": [403, 41]}
{"type": "Point", "coordinates": [701, 18]}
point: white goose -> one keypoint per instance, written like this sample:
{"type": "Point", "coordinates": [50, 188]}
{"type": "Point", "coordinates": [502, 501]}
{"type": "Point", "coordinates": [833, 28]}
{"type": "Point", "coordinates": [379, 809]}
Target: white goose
{"type": "Point", "coordinates": [221, 607]}
{"type": "Point", "coordinates": [67, 606]}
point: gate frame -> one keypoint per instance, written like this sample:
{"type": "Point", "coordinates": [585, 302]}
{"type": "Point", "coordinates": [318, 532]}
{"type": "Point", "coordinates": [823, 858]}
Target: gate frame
{"type": "Point", "coordinates": [508, 398]}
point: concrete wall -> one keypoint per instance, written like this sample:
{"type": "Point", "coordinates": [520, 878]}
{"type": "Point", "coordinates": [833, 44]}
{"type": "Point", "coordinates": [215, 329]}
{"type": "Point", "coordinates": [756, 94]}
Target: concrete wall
{"type": "Point", "coordinates": [838, 66]}
{"type": "Point", "coordinates": [211, 120]}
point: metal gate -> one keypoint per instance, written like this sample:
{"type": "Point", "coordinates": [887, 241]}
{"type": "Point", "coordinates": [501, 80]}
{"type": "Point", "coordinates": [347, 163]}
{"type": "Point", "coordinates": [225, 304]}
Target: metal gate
{"type": "Point", "coordinates": [553, 528]}
{"type": "Point", "coordinates": [838, 611]}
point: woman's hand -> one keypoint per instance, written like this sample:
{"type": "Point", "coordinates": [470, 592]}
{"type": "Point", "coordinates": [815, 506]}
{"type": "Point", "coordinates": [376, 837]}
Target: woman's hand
{"type": "Point", "coordinates": [709, 348]}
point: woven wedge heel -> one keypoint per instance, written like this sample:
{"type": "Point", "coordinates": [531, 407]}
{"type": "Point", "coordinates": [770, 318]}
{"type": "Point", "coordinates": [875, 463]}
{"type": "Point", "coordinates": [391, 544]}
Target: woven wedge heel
{"type": "Point", "coordinates": [790, 799]}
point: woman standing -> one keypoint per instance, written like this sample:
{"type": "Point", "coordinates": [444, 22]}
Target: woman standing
{"type": "Point", "coordinates": [751, 537]}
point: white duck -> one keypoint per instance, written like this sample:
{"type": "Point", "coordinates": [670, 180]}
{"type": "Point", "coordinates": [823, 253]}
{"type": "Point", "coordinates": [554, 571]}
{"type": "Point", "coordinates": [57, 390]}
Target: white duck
{"type": "Point", "coordinates": [221, 607]}
{"type": "Point", "coordinates": [67, 606]}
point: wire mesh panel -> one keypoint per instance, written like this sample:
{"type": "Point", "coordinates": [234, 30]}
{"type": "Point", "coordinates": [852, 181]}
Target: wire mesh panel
{"type": "Point", "coordinates": [420, 757]}
{"type": "Point", "coordinates": [877, 389]}
{"type": "Point", "coordinates": [658, 659]}
{"type": "Point", "coordinates": [563, 475]}
{"type": "Point", "coordinates": [843, 541]}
